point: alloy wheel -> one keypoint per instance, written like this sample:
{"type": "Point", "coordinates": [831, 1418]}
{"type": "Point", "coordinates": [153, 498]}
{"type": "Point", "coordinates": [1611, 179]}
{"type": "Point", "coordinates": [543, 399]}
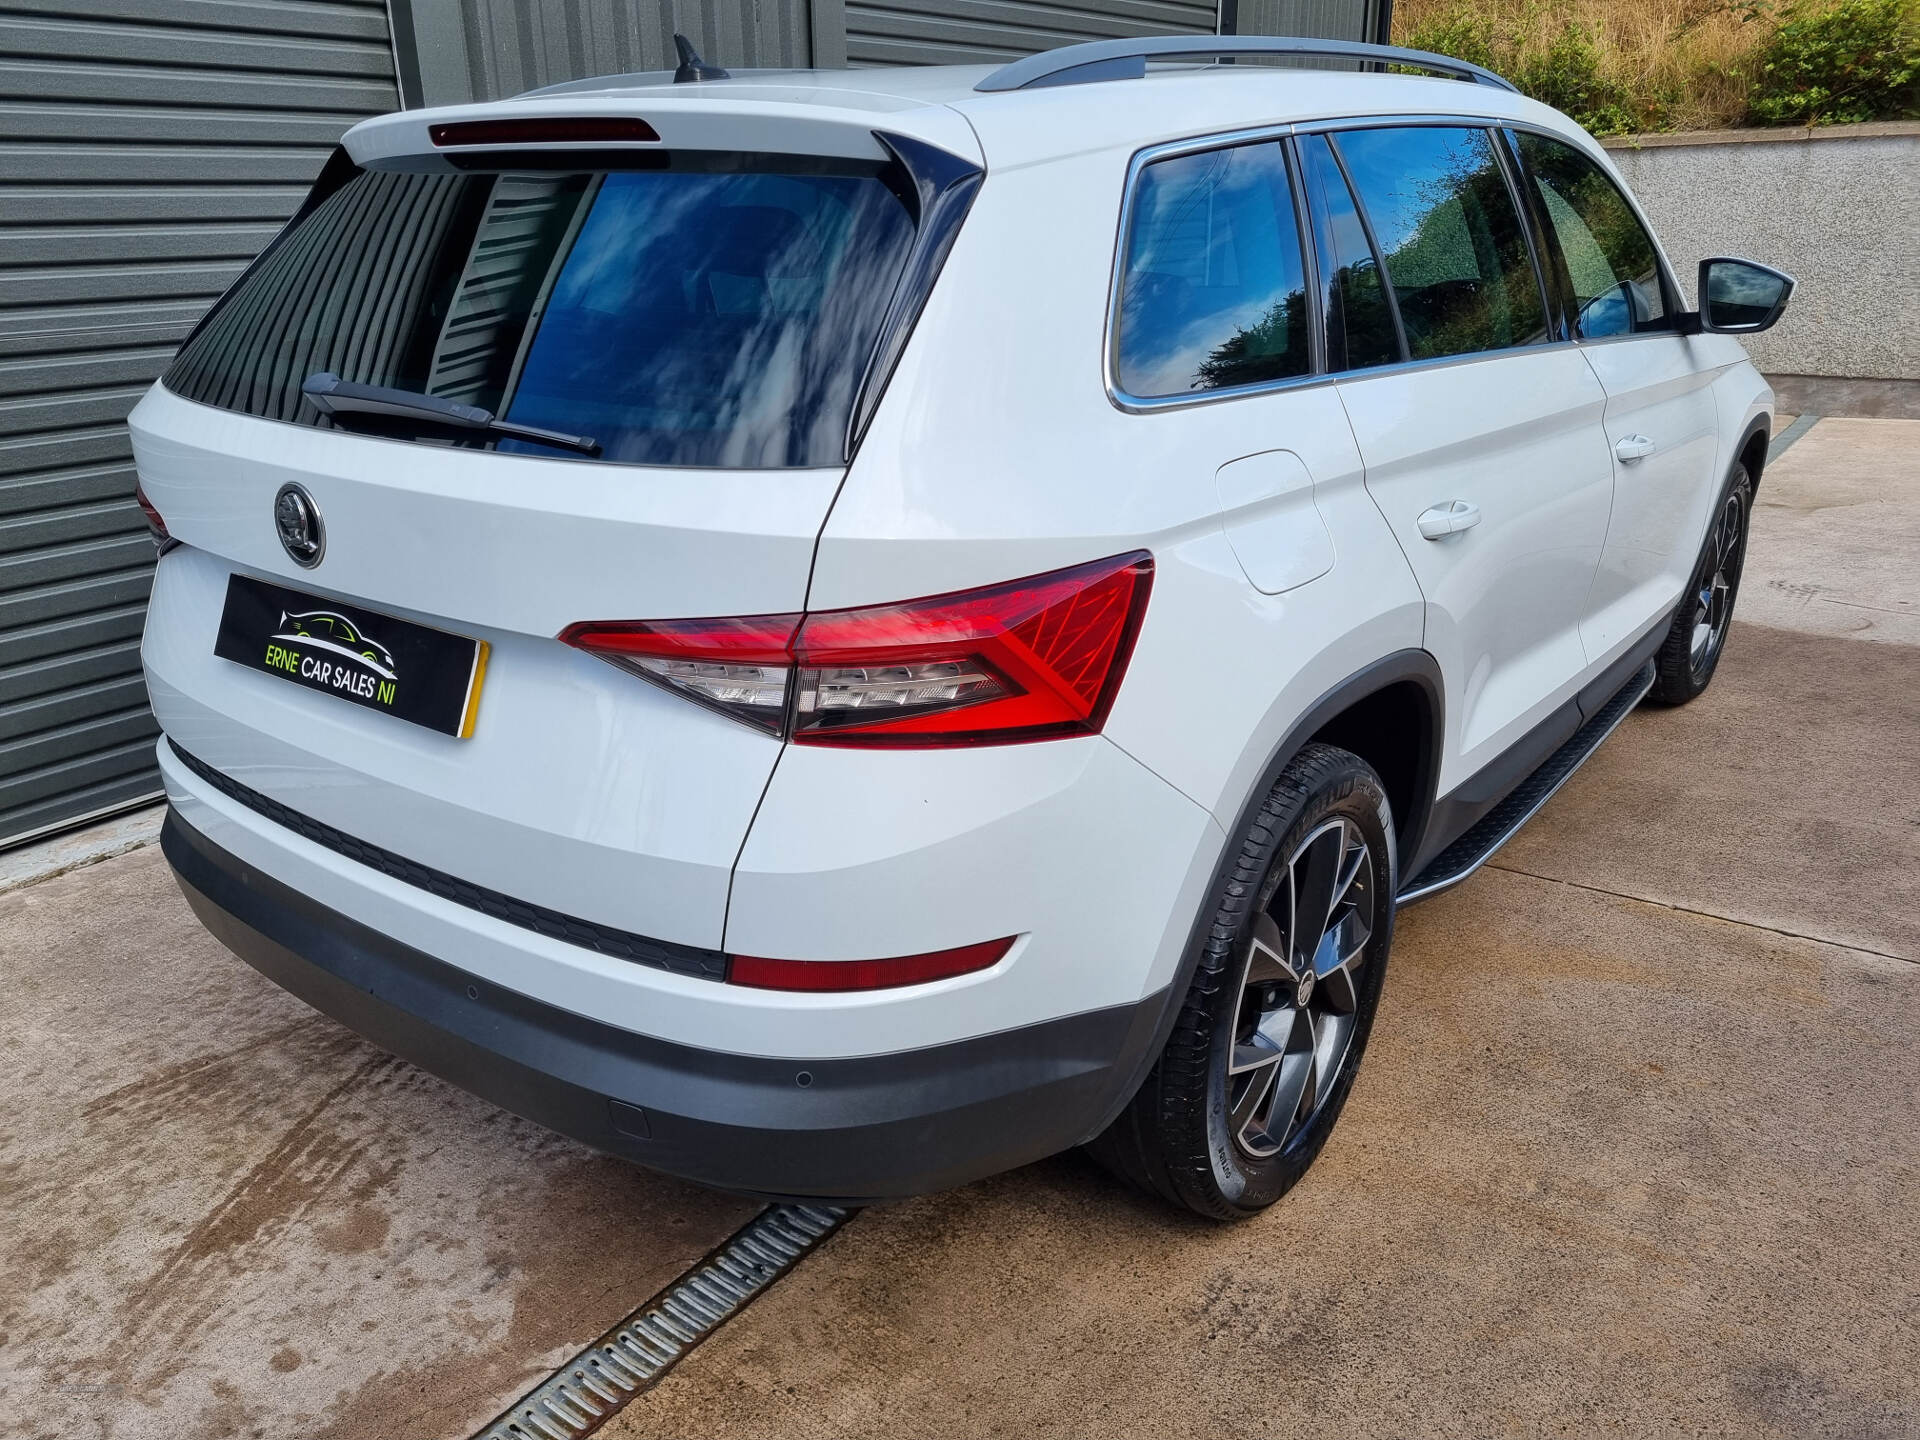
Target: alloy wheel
{"type": "Point", "coordinates": [1294, 1022]}
{"type": "Point", "coordinates": [1719, 577]}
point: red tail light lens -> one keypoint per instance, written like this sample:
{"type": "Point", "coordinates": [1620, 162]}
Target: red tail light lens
{"type": "Point", "coordinates": [1023, 661]}
{"type": "Point", "coordinates": [154, 523]}
{"type": "Point", "coordinates": [1028, 660]}
{"type": "Point", "coordinates": [822, 976]}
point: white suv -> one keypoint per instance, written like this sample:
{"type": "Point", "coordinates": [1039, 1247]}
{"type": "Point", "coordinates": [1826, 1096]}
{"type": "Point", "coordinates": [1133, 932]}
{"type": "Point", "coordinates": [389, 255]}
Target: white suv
{"type": "Point", "coordinates": [838, 632]}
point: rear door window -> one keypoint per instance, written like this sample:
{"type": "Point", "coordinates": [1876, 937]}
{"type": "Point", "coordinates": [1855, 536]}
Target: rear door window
{"type": "Point", "coordinates": [1611, 267]}
{"type": "Point", "coordinates": [1450, 235]}
{"type": "Point", "coordinates": [1213, 288]}
{"type": "Point", "coordinates": [705, 314]}
{"type": "Point", "coordinates": [1360, 328]}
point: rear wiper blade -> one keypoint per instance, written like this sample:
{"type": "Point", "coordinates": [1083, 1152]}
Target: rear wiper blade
{"type": "Point", "coordinates": [335, 396]}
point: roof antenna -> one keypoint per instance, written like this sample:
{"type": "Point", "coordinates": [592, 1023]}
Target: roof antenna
{"type": "Point", "coordinates": [692, 67]}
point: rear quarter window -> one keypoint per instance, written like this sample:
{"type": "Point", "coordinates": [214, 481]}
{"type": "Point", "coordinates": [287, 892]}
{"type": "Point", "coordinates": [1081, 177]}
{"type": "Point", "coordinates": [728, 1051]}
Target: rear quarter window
{"type": "Point", "coordinates": [1213, 291]}
{"type": "Point", "coordinates": [703, 314]}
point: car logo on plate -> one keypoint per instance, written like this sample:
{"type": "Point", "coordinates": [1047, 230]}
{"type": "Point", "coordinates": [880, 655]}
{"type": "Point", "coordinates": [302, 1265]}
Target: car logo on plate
{"type": "Point", "coordinates": [327, 630]}
{"type": "Point", "coordinates": [297, 519]}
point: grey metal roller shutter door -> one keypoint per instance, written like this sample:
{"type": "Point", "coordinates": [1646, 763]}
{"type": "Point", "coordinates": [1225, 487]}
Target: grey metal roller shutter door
{"type": "Point", "coordinates": [973, 32]}
{"type": "Point", "coordinates": [147, 151]}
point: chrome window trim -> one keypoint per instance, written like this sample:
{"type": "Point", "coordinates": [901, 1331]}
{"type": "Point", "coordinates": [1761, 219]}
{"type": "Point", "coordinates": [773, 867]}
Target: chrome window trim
{"type": "Point", "coordinates": [1110, 349]}
{"type": "Point", "coordinates": [1219, 140]}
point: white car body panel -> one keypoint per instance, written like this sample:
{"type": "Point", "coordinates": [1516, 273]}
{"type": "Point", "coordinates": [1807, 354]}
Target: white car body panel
{"type": "Point", "coordinates": [581, 789]}
{"type": "Point", "coordinates": [1659, 387]}
{"type": "Point", "coordinates": [1519, 436]}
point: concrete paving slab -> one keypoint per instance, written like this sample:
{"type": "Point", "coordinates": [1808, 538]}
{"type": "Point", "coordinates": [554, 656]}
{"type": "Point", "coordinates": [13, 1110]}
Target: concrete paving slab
{"type": "Point", "coordinates": [1788, 795]}
{"type": "Point", "coordinates": [227, 1216]}
{"type": "Point", "coordinates": [1610, 1168]}
{"type": "Point", "coordinates": [1836, 534]}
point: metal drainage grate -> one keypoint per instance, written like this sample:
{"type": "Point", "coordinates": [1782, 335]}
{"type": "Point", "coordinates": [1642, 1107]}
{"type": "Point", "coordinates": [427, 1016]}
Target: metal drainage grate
{"type": "Point", "coordinates": [636, 1354]}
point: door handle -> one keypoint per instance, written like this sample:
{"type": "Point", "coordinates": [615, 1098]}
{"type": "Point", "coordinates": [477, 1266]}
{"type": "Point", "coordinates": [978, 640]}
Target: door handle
{"type": "Point", "coordinates": [1630, 448]}
{"type": "Point", "coordinates": [1449, 517]}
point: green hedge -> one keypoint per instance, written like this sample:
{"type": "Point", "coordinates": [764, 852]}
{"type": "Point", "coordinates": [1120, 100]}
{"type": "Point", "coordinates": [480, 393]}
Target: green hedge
{"type": "Point", "coordinates": [1809, 62]}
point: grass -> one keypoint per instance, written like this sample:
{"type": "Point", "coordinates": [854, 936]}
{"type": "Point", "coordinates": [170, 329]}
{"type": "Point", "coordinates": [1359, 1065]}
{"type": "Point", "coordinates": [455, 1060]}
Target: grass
{"type": "Point", "coordinates": [1619, 66]}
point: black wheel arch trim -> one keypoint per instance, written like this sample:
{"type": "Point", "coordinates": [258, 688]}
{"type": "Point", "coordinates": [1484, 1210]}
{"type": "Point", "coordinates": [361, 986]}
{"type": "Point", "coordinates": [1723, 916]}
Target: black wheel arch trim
{"type": "Point", "coordinates": [1761, 427]}
{"type": "Point", "coordinates": [1401, 666]}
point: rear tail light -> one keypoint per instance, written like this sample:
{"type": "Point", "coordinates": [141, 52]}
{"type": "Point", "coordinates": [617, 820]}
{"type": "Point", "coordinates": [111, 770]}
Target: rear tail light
{"type": "Point", "coordinates": [1028, 660]}
{"type": "Point", "coordinates": [742, 667]}
{"type": "Point", "coordinates": [155, 523]}
{"type": "Point", "coordinates": [821, 976]}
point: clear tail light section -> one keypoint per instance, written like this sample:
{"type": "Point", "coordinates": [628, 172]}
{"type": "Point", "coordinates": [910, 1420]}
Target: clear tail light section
{"type": "Point", "coordinates": [1031, 659]}
{"type": "Point", "coordinates": [742, 666]}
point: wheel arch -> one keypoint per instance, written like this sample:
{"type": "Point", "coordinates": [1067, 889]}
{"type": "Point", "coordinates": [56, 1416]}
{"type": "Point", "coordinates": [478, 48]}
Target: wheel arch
{"type": "Point", "coordinates": [1408, 679]}
{"type": "Point", "coordinates": [1753, 446]}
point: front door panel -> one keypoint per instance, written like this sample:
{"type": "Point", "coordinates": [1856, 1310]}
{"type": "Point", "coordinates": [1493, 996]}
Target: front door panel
{"type": "Point", "coordinates": [1657, 392]}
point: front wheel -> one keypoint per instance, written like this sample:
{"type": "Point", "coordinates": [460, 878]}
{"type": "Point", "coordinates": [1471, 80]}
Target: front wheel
{"type": "Point", "coordinates": [1271, 1032]}
{"type": "Point", "coordinates": [1686, 661]}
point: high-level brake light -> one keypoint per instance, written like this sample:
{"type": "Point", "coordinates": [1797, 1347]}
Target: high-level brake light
{"type": "Point", "coordinates": [545, 130]}
{"type": "Point", "coordinates": [1031, 659]}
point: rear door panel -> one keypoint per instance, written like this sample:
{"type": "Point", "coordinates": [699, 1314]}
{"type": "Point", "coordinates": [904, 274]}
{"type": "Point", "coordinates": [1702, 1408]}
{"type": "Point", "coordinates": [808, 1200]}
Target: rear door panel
{"type": "Point", "coordinates": [1517, 435]}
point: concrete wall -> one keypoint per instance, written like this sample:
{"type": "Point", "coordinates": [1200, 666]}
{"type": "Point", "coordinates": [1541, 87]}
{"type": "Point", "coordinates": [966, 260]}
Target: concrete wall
{"type": "Point", "coordinates": [1838, 208]}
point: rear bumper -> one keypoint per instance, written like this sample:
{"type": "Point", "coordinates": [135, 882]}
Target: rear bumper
{"type": "Point", "coordinates": [855, 1129]}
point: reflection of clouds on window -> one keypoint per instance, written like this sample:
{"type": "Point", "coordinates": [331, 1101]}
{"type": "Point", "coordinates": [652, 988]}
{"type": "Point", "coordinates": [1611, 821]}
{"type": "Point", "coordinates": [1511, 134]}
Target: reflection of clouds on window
{"type": "Point", "coordinates": [1213, 291]}
{"type": "Point", "coordinates": [680, 317]}
{"type": "Point", "coordinates": [710, 318]}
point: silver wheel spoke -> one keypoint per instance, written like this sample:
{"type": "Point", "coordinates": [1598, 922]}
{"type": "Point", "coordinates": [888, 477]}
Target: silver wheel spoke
{"type": "Point", "coordinates": [1298, 995]}
{"type": "Point", "coordinates": [1252, 1104]}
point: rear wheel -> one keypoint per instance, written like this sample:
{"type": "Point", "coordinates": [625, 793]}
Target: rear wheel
{"type": "Point", "coordinates": [1686, 662]}
{"type": "Point", "coordinates": [1271, 1032]}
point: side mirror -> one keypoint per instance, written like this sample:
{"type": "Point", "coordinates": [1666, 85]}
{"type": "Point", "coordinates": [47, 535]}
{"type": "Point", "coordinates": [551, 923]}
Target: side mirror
{"type": "Point", "coordinates": [1738, 297]}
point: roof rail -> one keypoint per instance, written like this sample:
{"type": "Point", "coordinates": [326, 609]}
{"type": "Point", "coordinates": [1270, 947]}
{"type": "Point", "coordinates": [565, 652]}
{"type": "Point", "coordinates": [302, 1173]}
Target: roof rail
{"type": "Point", "coordinates": [1127, 59]}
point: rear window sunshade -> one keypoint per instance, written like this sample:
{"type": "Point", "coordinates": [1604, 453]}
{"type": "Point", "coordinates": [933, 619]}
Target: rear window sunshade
{"type": "Point", "coordinates": [712, 311]}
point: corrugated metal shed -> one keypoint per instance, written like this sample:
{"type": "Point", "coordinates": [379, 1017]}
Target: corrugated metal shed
{"type": "Point", "coordinates": [1321, 19]}
{"type": "Point", "coordinates": [463, 50]}
{"type": "Point", "coordinates": [146, 153]}
{"type": "Point", "coordinates": [973, 32]}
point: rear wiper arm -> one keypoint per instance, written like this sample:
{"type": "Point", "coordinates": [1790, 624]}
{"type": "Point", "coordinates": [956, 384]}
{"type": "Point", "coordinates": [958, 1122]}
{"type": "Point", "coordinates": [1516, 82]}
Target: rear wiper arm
{"type": "Point", "coordinates": [335, 396]}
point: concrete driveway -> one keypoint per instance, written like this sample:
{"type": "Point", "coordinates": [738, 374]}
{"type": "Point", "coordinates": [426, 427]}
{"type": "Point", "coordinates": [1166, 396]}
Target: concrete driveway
{"type": "Point", "coordinates": [1636, 1147]}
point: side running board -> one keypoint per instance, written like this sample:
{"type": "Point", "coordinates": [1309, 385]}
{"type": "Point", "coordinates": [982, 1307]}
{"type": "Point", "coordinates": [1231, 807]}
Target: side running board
{"type": "Point", "coordinates": [1503, 822]}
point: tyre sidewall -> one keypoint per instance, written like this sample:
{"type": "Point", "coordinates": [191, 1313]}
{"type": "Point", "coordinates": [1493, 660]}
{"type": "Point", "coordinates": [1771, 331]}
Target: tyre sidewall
{"type": "Point", "coordinates": [1675, 680]}
{"type": "Point", "coordinates": [1347, 786]}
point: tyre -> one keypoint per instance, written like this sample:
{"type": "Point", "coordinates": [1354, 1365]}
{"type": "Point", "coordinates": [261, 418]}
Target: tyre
{"type": "Point", "coordinates": [1270, 1035]}
{"type": "Point", "coordinates": [1691, 653]}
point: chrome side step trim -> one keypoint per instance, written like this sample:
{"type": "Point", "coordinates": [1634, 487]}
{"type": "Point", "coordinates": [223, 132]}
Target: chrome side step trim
{"type": "Point", "coordinates": [1500, 824]}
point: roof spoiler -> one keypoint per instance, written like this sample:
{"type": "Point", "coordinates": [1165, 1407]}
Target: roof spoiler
{"type": "Point", "coordinates": [1127, 59]}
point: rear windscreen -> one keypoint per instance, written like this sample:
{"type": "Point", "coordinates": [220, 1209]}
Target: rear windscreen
{"type": "Point", "coordinates": [694, 315]}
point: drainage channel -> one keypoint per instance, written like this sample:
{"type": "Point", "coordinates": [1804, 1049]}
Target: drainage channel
{"type": "Point", "coordinates": [635, 1355]}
